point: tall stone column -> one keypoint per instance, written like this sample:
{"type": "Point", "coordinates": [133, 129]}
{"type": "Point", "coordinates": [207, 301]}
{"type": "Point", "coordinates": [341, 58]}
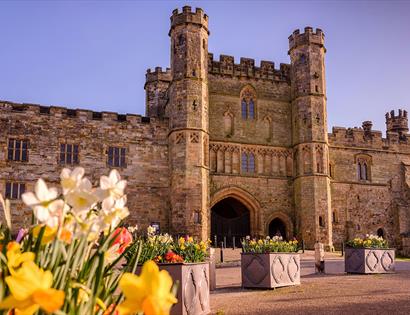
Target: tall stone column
{"type": "Point", "coordinates": [309, 136]}
{"type": "Point", "coordinates": [188, 117]}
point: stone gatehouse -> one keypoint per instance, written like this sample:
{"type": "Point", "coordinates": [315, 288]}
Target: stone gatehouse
{"type": "Point", "coordinates": [225, 148]}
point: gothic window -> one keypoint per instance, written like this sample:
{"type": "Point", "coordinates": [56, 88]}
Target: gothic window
{"type": "Point", "coordinates": [14, 190]}
{"type": "Point", "coordinates": [244, 110]}
{"type": "Point", "coordinates": [248, 103]}
{"type": "Point", "coordinates": [319, 160]}
{"type": "Point", "coordinates": [17, 150]}
{"type": "Point", "coordinates": [116, 157]}
{"type": "Point", "coordinates": [363, 162]}
{"type": "Point", "coordinates": [69, 153]}
{"type": "Point", "coordinates": [331, 170]}
{"type": "Point", "coordinates": [248, 162]}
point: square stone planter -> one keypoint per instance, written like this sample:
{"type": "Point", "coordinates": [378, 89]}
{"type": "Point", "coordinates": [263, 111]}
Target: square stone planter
{"type": "Point", "coordinates": [270, 270]}
{"type": "Point", "coordinates": [369, 260]}
{"type": "Point", "coordinates": [193, 288]}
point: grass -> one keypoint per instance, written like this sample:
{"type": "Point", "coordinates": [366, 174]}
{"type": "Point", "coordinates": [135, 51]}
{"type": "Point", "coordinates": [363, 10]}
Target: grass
{"type": "Point", "coordinates": [402, 258]}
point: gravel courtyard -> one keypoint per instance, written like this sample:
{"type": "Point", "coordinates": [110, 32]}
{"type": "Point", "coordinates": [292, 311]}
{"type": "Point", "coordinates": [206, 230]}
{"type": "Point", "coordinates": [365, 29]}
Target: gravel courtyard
{"type": "Point", "coordinates": [333, 293]}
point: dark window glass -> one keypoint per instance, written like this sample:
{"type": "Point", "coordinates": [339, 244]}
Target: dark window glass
{"type": "Point", "coordinates": [251, 109]}
{"type": "Point", "coordinates": [8, 190]}
{"type": "Point", "coordinates": [22, 189]}
{"type": "Point", "coordinates": [251, 166]}
{"type": "Point", "coordinates": [15, 191]}
{"type": "Point", "coordinates": [17, 150]}
{"type": "Point", "coordinates": [244, 162]}
{"type": "Point", "coordinates": [116, 157]}
{"type": "Point", "coordinates": [244, 110]}
{"type": "Point", "coordinates": [359, 171]}
{"type": "Point", "coordinates": [75, 154]}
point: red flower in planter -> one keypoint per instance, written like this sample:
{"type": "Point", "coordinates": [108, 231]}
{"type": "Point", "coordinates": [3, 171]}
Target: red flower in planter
{"type": "Point", "coordinates": [173, 258]}
{"type": "Point", "coordinates": [123, 238]}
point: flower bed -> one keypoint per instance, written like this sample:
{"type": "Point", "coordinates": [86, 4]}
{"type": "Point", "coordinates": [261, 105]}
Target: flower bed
{"type": "Point", "coordinates": [270, 263]}
{"type": "Point", "coordinates": [67, 260]}
{"type": "Point", "coordinates": [369, 255]}
{"type": "Point", "coordinates": [185, 260]}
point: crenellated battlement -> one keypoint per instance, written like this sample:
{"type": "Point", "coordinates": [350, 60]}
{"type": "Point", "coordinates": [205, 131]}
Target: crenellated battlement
{"type": "Point", "coordinates": [397, 123]}
{"type": "Point", "coordinates": [187, 16]}
{"type": "Point", "coordinates": [80, 114]}
{"type": "Point", "coordinates": [308, 37]}
{"type": "Point", "coordinates": [246, 68]}
{"type": "Point", "coordinates": [158, 75]}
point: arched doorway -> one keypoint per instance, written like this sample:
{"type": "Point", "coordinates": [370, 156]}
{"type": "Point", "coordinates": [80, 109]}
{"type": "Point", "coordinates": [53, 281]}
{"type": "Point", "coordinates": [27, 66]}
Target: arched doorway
{"type": "Point", "coordinates": [230, 218]}
{"type": "Point", "coordinates": [380, 232]}
{"type": "Point", "coordinates": [277, 228]}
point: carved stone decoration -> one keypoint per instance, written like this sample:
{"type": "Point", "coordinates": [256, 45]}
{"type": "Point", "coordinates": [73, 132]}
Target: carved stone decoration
{"type": "Point", "coordinates": [180, 137]}
{"type": "Point", "coordinates": [194, 137]}
{"type": "Point", "coordinates": [270, 270]}
{"type": "Point", "coordinates": [369, 260]}
{"type": "Point", "coordinates": [193, 290]}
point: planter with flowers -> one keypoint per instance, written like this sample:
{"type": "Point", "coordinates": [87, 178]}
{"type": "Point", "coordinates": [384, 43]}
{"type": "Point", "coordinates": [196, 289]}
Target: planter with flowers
{"type": "Point", "coordinates": [185, 260]}
{"type": "Point", "coordinates": [270, 263]}
{"type": "Point", "coordinates": [369, 255]}
{"type": "Point", "coordinates": [68, 260]}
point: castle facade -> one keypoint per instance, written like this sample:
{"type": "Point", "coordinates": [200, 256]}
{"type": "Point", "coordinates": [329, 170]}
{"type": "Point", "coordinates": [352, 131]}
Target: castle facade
{"type": "Point", "coordinates": [225, 149]}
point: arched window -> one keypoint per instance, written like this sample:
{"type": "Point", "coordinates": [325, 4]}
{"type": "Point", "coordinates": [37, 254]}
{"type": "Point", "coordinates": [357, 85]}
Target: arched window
{"type": "Point", "coordinates": [251, 109]}
{"type": "Point", "coordinates": [363, 162]}
{"type": "Point", "coordinates": [244, 109]}
{"type": "Point", "coordinates": [251, 163]}
{"type": "Point", "coordinates": [248, 162]}
{"type": "Point", "coordinates": [244, 162]}
{"type": "Point", "coordinates": [248, 102]}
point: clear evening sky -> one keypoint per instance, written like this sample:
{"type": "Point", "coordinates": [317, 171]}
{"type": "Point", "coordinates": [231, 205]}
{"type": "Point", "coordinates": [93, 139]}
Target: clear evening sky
{"type": "Point", "coordinates": [94, 54]}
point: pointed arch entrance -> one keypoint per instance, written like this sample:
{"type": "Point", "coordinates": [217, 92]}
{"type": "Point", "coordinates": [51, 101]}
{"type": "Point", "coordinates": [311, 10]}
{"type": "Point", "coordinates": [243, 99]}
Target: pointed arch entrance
{"type": "Point", "coordinates": [238, 206]}
{"type": "Point", "coordinates": [280, 224]}
{"type": "Point", "coordinates": [230, 218]}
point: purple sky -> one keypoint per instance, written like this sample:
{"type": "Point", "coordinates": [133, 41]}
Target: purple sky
{"type": "Point", "coordinates": [94, 54]}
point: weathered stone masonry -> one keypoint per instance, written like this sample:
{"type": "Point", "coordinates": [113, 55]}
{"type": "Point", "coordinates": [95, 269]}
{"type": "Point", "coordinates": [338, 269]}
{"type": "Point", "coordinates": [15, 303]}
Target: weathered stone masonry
{"type": "Point", "coordinates": [218, 131]}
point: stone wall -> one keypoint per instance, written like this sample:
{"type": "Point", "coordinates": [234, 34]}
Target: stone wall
{"type": "Point", "coordinates": [145, 141]}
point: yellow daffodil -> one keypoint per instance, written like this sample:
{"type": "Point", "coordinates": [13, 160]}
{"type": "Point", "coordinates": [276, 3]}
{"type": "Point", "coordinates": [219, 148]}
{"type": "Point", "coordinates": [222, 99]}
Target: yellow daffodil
{"type": "Point", "coordinates": [190, 239]}
{"type": "Point", "coordinates": [15, 257]}
{"type": "Point", "coordinates": [48, 236]}
{"type": "Point", "coordinates": [181, 241]}
{"type": "Point", "coordinates": [149, 293]}
{"type": "Point", "coordinates": [30, 289]}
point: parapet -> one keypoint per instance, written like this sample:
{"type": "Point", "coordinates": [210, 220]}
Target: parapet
{"type": "Point", "coordinates": [158, 75]}
{"type": "Point", "coordinates": [307, 38]}
{"type": "Point", "coordinates": [188, 17]}
{"type": "Point", "coordinates": [80, 114]}
{"type": "Point", "coordinates": [397, 123]}
{"type": "Point", "coordinates": [246, 68]}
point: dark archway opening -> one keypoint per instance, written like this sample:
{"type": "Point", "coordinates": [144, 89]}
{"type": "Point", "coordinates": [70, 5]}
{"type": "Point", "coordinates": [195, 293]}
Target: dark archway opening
{"type": "Point", "coordinates": [230, 218]}
{"type": "Point", "coordinates": [277, 228]}
{"type": "Point", "coordinates": [380, 232]}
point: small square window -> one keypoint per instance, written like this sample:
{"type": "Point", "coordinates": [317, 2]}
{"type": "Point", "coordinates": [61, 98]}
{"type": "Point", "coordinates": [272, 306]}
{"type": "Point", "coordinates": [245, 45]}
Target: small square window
{"type": "Point", "coordinates": [116, 157]}
{"type": "Point", "coordinates": [17, 150]}
{"type": "Point", "coordinates": [69, 154]}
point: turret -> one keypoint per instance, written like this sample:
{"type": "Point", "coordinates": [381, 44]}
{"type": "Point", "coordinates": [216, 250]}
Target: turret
{"type": "Point", "coordinates": [188, 112]}
{"type": "Point", "coordinates": [156, 86]}
{"type": "Point", "coordinates": [397, 123]}
{"type": "Point", "coordinates": [309, 136]}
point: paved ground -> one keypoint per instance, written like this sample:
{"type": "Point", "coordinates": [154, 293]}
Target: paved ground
{"type": "Point", "coordinates": [333, 293]}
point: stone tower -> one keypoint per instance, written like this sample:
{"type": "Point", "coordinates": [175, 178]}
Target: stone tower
{"type": "Point", "coordinates": [309, 137]}
{"type": "Point", "coordinates": [188, 118]}
{"type": "Point", "coordinates": [397, 123]}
